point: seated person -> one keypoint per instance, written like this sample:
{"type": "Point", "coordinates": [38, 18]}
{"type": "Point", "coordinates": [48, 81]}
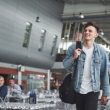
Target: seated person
{"type": "Point", "coordinates": [14, 89]}
{"type": "Point", "coordinates": [3, 88]}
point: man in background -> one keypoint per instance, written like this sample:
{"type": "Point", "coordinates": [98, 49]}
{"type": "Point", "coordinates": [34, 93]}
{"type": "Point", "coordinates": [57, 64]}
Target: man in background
{"type": "Point", "coordinates": [14, 89]}
{"type": "Point", "coordinates": [3, 88]}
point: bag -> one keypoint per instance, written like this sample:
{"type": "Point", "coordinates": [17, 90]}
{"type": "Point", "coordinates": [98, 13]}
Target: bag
{"type": "Point", "coordinates": [66, 90]}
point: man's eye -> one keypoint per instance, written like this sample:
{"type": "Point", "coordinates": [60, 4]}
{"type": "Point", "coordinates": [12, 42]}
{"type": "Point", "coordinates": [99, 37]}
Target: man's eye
{"type": "Point", "coordinates": [90, 30]}
{"type": "Point", "coordinates": [85, 30]}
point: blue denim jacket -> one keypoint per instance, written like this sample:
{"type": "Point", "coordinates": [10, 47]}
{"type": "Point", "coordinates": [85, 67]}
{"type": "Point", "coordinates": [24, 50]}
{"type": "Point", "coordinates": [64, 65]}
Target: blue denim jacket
{"type": "Point", "coordinates": [99, 70]}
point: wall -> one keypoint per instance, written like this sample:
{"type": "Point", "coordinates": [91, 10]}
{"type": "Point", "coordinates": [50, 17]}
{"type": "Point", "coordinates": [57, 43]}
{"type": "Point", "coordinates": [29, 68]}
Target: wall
{"type": "Point", "coordinates": [13, 17]}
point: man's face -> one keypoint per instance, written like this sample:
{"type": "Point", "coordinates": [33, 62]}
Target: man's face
{"type": "Point", "coordinates": [90, 33]}
{"type": "Point", "coordinates": [1, 81]}
{"type": "Point", "coordinates": [11, 82]}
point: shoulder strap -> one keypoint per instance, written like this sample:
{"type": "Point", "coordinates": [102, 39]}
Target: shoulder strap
{"type": "Point", "coordinates": [75, 68]}
{"type": "Point", "coordinates": [78, 45]}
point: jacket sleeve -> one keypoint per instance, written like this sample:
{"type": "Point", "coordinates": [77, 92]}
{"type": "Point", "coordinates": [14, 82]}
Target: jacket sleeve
{"type": "Point", "coordinates": [105, 86]}
{"type": "Point", "coordinates": [68, 62]}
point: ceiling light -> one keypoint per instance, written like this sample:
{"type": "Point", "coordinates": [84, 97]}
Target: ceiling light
{"type": "Point", "coordinates": [43, 30]}
{"type": "Point", "coordinates": [101, 32]}
{"type": "Point", "coordinates": [81, 15]}
{"type": "Point", "coordinates": [37, 19]}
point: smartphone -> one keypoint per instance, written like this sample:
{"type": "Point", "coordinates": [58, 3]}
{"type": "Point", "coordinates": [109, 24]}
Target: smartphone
{"type": "Point", "coordinates": [78, 44]}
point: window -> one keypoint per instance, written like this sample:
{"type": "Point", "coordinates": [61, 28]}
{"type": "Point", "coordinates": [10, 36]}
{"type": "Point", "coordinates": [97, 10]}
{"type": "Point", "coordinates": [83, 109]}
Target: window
{"type": "Point", "coordinates": [54, 44]}
{"type": "Point", "coordinates": [27, 34]}
{"type": "Point", "coordinates": [42, 40]}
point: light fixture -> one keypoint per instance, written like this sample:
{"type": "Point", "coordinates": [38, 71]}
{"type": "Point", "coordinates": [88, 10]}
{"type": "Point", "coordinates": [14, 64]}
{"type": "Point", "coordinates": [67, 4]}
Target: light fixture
{"type": "Point", "coordinates": [12, 76]}
{"type": "Point", "coordinates": [81, 15]}
{"type": "Point", "coordinates": [43, 31]}
{"type": "Point", "coordinates": [28, 23]}
{"type": "Point", "coordinates": [67, 35]}
{"type": "Point", "coordinates": [37, 19]}
{"type": "Point", "coordinates": [101, 32]}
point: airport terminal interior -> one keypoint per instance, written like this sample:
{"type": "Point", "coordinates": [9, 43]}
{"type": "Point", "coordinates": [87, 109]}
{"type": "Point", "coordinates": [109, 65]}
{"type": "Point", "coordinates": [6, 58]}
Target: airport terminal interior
{"type": "Point", "coordinates": [34, 39]}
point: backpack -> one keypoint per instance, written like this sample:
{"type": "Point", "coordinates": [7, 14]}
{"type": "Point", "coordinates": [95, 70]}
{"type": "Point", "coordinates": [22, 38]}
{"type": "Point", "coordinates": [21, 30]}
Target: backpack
{"type": "Point", "coordinates": [66, 91]}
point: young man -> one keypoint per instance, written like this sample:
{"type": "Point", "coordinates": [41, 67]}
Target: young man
{"type": "Point", "coordinates": [92, 73]}
{"type": "Point", "coordinates": [3, 88]}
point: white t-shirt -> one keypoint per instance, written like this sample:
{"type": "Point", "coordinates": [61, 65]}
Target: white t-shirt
{"type": "Point", "coordinates": [86, 85]}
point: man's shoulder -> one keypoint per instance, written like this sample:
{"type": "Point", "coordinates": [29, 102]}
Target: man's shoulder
{"type": "Point", "coordinates": [72, 46]}
{"type": "Point", "coordinates": [100, 48]}
{"type": "Point", "coordinates": [16, 85]}
{"type": "Point", "coordinates": [4, 87]}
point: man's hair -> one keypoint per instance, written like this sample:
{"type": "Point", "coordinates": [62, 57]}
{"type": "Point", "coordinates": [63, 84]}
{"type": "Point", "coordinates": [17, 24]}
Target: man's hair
{"type": "Point", "coordinates": [11, 78]}
{"type": "Point", "coordinates": [92, 24]}
{"type": "Point", "coordinates": [1, 77]}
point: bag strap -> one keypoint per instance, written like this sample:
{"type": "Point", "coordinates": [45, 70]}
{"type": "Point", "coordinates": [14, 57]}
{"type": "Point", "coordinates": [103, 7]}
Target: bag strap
{"type": "Point", "coordinates": [78, 45]}
{"type": "Point", "coordinates": [75, 68]}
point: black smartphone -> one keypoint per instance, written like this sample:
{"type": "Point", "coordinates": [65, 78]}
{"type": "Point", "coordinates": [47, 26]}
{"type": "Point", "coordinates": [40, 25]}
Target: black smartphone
{"type": "Point", "coordinates": [78, 44]}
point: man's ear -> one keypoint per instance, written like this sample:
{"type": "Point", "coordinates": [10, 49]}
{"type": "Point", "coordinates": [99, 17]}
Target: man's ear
{"type": "Point", "coordinates": [96, 35]}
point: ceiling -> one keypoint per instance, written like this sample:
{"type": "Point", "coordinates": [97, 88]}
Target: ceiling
{"type": "Point", "coordinates": [104, 2]}
{"type": "Point", "coordinates": [103, 20]}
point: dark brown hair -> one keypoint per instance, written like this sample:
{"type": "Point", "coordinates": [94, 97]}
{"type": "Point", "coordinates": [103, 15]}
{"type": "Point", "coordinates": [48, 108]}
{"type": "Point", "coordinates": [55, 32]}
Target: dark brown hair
{"type": "Point", "coordinates": [92, 24]}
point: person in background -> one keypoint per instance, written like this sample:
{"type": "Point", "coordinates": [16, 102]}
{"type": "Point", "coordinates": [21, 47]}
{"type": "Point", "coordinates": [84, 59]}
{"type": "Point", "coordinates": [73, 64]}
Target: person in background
{"type": "Point", "coordinates": [3, 88]}
{"type": "Point", "coordinates": [92, 72]}
{"type": "Point", "coordinates": [14, 89]}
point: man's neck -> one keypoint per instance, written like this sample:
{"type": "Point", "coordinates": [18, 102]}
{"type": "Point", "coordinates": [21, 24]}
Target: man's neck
{"type": "Point", "coordinates": [88, 44]}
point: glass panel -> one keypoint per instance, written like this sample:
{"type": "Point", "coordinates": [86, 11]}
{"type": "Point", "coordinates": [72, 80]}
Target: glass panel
{"type": "Point", "coordinates": [42, 39]}
{"type": "Point", "coordinates": [54, 44]}
{"type": "Point", "coordinates": [35, 82]}
{"type": "Point", "coordinates": [27, 34]}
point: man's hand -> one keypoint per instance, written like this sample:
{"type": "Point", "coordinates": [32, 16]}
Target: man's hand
{"type": "Point", "coordinates": [104, 100]}
{"type": "Point", "coordinates": [76, 53]}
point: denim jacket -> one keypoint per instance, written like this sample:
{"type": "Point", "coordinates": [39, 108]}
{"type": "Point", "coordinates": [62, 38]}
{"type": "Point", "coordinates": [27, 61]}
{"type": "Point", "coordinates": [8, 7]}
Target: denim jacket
{"type": "Point", "coordinates": [99, 70]}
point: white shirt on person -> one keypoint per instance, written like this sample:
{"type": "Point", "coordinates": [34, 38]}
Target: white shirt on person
{"type": "Point", "coordinates": [14, 90]}
{"type": "Point", "coordinates": [86, 85]}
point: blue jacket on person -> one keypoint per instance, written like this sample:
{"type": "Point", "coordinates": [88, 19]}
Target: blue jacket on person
{"type": "Point", "coordinates": [3, 91]}
{"type": "Point", "coordinates": [99, 70]}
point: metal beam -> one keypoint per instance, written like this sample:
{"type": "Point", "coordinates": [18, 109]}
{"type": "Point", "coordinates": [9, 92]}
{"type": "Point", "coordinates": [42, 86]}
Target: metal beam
{"type": "Point", "coordinates": [86, 18]}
